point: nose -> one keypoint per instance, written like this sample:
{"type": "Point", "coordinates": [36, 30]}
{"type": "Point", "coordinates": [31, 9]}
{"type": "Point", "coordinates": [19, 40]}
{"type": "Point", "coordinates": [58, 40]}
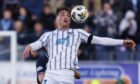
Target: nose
{"type": "Point", "coordinates": [65, 18]}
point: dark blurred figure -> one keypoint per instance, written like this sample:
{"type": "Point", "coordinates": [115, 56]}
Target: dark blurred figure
{"type": "Point", "coordinates": [47, 18]}
{"type": "Point", "coordinates": [86, 51]}
{"type": "Point", "coordinates": [128, 26]}
{"type": "Point", "coordinates": [90, 23]}
{"type": "Point", "coordinates": [22, 35]}
{"type": "Point", "coordinates": [124, 5]}
{"type": "Point", "coordinates": [72, 3]}
{"type": "Point", "coordinates": [38, 31]}
{"type": "Point", "coordinates": [105, 22]}
{"type": "Point", "coordinates": [25, 16]}
{"type": "Point", "coordinates": [6, 22]}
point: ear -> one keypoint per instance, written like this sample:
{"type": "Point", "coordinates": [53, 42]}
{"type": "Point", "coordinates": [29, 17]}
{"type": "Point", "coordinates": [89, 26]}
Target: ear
{"type": "Point", "coordinates": [57, 21]}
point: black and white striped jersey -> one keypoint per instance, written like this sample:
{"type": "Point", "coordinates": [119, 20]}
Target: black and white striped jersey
{"type": "Point", "coordinates": [62, 47]}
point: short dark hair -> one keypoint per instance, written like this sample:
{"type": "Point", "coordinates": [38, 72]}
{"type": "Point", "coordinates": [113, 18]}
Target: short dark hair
{"type": "Point", "coordinates": [61, 9]}
{"type": "Point", "coordinates": [47, 5]}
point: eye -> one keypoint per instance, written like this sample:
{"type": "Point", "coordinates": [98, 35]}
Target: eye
{"type": "Point", "coordinates": [68, 15]}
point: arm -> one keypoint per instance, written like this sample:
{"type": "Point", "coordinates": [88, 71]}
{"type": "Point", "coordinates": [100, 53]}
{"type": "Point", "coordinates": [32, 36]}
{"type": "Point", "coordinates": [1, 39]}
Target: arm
{"type": "Point", "coordinates": [40, 43]}
{"type": "Point", "coordinates": [113, 42]}
{"type": "Point", "coordinates": [35, 45]}
{"type": "Point", "coordinates": [106, 41]}
{"type": "Point", "coordinates": [90, 39]}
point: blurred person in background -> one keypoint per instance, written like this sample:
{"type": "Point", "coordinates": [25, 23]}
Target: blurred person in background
{"type": "Point", "coordinates": [21, 33]}
{"type": "Point", "coordinates": [105, 24]}
{"type": "Point", "coordinates": [25, 16]}
{"type": "Point", "coordinates": [86, 51]}
{"type": "Point", "coordinates": [6, 22]}
{"type": "Point", "coordinates": [38, 31]}
{"type": "Point", "coordinates": [105, 21]}
{"type": "Point", "coordinates": [72, 3]}
{"type": "Point", "coordinates": [128, 26]}
{"type": "Point", "coordinates": [56, 4]}
{"type": "Point", "coordinates": [47, 18]}
{"type": "Point", "coordinates": [124, 5]}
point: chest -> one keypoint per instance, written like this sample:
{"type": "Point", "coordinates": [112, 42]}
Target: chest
{"type": "Point", "coordinates": [64, 38]}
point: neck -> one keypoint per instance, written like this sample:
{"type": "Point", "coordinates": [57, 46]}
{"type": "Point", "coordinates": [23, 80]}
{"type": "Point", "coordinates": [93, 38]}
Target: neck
{"type": "Point", "coordinates": [62, 28]}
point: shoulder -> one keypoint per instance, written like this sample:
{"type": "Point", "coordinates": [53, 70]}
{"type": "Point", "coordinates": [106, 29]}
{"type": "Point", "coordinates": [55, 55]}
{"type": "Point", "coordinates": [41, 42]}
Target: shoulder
{"type": "Point", "coordinates": [49, 32]}
{"type": "Point", "coordinates": [46, 34]}
{"type": "Point", "coordinates": [77, 29]}
{"type": "Point", "coordinates": [80, 30]}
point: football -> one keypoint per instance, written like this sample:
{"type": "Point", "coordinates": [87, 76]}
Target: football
{"type": "Point", "coordinates": [79, 14]}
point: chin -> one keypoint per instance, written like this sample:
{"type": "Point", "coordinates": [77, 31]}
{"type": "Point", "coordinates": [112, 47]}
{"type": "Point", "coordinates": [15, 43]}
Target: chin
{"type": "Point", "coordinates": [66, 25]}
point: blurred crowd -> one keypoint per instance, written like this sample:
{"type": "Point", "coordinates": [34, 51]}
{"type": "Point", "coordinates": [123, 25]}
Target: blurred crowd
{"type": "Point", "coordinates": [107, 18]}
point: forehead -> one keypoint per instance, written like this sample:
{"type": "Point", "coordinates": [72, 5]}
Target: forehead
{"type": "Point", "coordinates": [64, 12]}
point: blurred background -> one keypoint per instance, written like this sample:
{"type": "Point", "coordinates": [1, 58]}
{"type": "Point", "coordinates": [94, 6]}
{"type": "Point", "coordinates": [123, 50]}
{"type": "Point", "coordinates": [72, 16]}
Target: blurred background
{"type": "Point", "coordinates": [107, 18]}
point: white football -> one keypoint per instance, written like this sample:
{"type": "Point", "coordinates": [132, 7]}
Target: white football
{"type": "Point", "coordinates": [79, 14]}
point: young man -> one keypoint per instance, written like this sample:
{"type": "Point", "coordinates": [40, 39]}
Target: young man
{"type": "Point", "coordinates": [63, 44]}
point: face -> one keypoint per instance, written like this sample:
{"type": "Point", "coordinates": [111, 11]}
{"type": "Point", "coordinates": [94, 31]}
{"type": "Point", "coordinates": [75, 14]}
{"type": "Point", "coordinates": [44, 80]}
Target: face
{"type": "Point", "coordinates": [63, 19]}
{"type": "Point", "coordinates": [7, 15]}
{"type": "Point", "coordinates": [22, 11]}
{"type": "Point", "coordinates": [18, 26]}
{"type": "Point", "coordinates": [47, 10]}
{"type": "Point", "coordinates": [38, 27]}
{"type": "Point", "coordinates": [107, 7]}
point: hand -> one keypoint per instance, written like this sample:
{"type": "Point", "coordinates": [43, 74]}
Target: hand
{"type": "Point", "coordinates": [27, 51]}
{"type": "Point", "coordinates": [34, 54]}
{"type": "Point", "coordinates": [129, 43]}
{"type": "Point", "coordinates": [77, 75]}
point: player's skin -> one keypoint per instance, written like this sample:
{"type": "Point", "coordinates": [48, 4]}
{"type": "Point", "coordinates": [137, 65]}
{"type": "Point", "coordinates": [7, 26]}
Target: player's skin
{"type": "Point", "coordinates": [63, 21]}
{"type": "Point", "coordinates": [41, 76]}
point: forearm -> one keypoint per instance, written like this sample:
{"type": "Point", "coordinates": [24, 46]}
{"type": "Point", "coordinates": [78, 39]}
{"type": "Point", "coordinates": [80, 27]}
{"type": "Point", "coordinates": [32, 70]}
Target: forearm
{"type": "Point", "coordinates": [36, 45]}
{"type": "Point", "coordinates": [106, 41]}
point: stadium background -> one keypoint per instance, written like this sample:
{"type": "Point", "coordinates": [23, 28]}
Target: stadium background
{"type": "Point", "coordinates": [107, 18]}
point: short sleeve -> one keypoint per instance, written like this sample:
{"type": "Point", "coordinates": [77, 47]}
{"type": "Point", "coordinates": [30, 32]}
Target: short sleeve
{"type": "Point", "coordinates": [43, 40]}
{"type": "Point", "coordinates": [83, 35]}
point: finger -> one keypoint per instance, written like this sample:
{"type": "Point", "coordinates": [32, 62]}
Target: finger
{"type": "Point", "coordinates": [24, 54]}
{"type": "Point", "coordinates": [133, 44]}
{"type": "Point", "coordinates": [28, 52]}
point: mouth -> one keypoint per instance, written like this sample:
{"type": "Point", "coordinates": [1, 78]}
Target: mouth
{"type": "Point", "coordinates": [65, 21]}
